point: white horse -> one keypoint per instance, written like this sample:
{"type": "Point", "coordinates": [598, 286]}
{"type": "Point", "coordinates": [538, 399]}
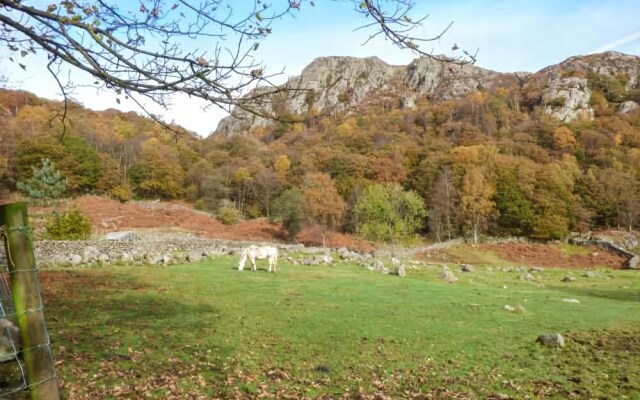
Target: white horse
{"type": "Point", "coordinates": [262, 252]}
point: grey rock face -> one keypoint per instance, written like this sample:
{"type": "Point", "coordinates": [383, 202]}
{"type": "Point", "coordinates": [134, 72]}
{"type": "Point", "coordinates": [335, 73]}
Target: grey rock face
{"type": "Point", "coordinates": [627, 106]}
{"type": "Point", "coordinates": [340, 84]}
{"type": "Point", "coordinates": [337, 84]}
{"type": "Point", "coordinates": [574, 94]}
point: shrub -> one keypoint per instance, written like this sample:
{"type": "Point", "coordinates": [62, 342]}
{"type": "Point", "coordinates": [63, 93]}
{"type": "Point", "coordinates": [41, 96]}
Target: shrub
{"type": "Point", "coordinates": [121, 193]}
{"type": "Point", "coordinates": [558, 102]}
{"type": "Point", "coordinates": [253, 211]}
{"type": "Point", "coordinates": [70, 225]}
{"type": "Point", "coordinates": [199, 205]}
{"type": "Point", "coordinates": [229, 215]}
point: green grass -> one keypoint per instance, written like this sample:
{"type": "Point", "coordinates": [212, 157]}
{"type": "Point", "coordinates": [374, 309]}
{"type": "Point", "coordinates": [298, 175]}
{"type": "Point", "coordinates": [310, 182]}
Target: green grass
{"type": "Point", "coordinates": [207, 330]}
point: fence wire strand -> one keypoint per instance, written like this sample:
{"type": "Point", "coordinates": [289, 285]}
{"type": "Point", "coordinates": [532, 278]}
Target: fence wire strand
{"type": "Point", "coordinates": [7, 312]}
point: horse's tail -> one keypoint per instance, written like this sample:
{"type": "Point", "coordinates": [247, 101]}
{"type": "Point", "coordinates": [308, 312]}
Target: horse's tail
{"type": "Point", "coordinates": [243, 259]}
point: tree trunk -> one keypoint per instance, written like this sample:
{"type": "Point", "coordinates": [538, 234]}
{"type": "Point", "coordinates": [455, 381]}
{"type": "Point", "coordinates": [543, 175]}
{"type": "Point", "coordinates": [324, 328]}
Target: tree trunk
{"type": "Point", "coordinates": [476, 224]}
{"type": "Point", "coordinates": [448, 207]}
{"type": "Point", "coordinates": [38, 360]}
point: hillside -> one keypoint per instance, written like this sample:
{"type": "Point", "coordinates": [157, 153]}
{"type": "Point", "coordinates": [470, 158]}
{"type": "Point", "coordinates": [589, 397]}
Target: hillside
{"type": "Point", "coordinates": [526, 154]}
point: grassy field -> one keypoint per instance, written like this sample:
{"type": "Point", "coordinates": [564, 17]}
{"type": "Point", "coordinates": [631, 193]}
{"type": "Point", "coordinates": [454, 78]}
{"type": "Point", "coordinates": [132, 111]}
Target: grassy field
{"type": "Point", "coordinates": [208, 331]}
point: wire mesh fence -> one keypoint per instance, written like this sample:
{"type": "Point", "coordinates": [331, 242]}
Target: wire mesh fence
{"type": "Point", "coordinates": [13, 379]}
{"type": "Point", "coordinates": [18, 377]}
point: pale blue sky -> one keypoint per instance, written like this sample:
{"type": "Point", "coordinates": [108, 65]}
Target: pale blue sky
{"type": "Point", "coordinates": [511, 35]}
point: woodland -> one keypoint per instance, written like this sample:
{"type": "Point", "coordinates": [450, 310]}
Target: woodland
{"type": "Point", "coordinates": [490, 163]}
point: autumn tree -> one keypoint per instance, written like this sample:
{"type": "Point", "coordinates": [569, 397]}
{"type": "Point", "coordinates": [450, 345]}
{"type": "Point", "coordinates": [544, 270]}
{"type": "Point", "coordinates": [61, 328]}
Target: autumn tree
{"type": "Point", "coordinates": [515, 211]}
{"type": "Point", "coordinates": [265, 185]}
{"type": "Point", "coordinates": [288, 208]}
{"type": "Point", "coordinates": [196, 176]}
{"type": "Point", "coordinates": [476, 200]}
{"type": "Point", "coordinates": [553, 200]}
{"type": "Point", "coordinates": [595, 197]}
{"type": "Point", "coordinates": [624, 189]}
{"type": "Point", "coordinates": [387, 212]}
{"type": "Point", "coordinates": [474, 175]}
{"type": "Point", "coordinates": [110, 180]}
{"type": "Point", "coordinates": [240, 183]}
{"type": "Point", "coordinates": [158, 172]}
{"type": "Point", "coordinates": [216, 189]}
{"type": "Point", "coordinates": [563, 139]}
{"type": "Point", "coordinates": [442, 204]}
{"type": "Point", "coordinates": [7, 150]}
{"type": "Point", "coordinates": [323, 204]}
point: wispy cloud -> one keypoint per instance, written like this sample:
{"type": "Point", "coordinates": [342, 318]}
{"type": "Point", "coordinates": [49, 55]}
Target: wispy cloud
{"type": "Point", "coordinates": [618, 42]}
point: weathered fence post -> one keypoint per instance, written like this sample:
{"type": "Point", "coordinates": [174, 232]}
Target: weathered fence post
{"type": "Point", "coordinates": [38, 359]}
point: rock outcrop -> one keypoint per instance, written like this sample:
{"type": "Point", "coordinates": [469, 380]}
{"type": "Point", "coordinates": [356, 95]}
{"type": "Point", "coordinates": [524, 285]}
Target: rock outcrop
{"type": "Point", "coordinates": [331, 85]}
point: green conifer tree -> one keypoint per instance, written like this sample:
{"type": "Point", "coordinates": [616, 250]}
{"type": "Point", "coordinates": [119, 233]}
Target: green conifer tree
{"type": "Point", "coordinates": [46, 183]}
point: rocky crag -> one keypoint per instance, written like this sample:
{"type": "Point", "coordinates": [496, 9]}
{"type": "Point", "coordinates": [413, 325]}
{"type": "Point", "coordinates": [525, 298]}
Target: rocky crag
{"type": "Point", "coordinates": [334, 85]}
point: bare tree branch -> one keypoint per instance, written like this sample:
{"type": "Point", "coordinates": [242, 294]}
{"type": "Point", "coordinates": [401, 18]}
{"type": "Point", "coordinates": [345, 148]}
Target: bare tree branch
{"type": "Point", "coordinates": [145, 49]}
{"type": "Point", "coordinates": [396, 24]}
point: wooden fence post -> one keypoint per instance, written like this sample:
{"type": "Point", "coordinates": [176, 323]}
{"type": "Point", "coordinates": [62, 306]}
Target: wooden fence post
{"type": "Point", "coordinates": [38, 359]}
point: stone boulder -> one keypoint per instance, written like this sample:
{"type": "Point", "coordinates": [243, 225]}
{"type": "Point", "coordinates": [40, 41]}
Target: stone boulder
{"type": "Point", "coordinates": [633, 263]}
{"type": "Point", "coordinates": [127, 257]}
{"type": "Point", "coordinates": [90, 253]}
{"type": "Point", "coordinates": [448, 276]}
{"type": "Point", "coordinates": [125, 236]}
{"type": "Point", "coordinates": [75, 259]}
{"type": "Point", "coordinates": [527, 277]}
{"type": "Point", "coordinates": [194, 256]}
{"type": "Point", "coordinates": [467, 268]}
{"type": "Point", "coordinates": [553, 340]}
{"type": "Point", "coordinates": [326, 259]}
{"type": "Point", "coordinates": [378, 265]}
{"type": "Point", "coordinates": [400, 271]}
{"type": "Point", "coordinates": [348, 255]}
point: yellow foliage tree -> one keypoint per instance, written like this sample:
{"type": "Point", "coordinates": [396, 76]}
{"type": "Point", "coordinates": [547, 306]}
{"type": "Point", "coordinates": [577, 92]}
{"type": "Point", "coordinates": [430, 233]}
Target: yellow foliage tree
{"type": "Point", "coordinates": [563, 139]}
{"type": "Point", "coordinates": [476, 199]}
{"type": "Point", "coordinates": [322, 202]}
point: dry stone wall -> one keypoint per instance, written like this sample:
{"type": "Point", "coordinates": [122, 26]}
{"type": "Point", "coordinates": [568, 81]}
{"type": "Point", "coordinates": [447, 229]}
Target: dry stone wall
{"type": "Point", "coordinates": [166, 251]}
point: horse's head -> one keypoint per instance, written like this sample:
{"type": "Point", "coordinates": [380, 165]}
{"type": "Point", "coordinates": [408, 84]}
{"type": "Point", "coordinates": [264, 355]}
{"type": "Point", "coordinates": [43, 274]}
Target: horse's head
{"type": "Point", "coordinates": [243, 259]}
